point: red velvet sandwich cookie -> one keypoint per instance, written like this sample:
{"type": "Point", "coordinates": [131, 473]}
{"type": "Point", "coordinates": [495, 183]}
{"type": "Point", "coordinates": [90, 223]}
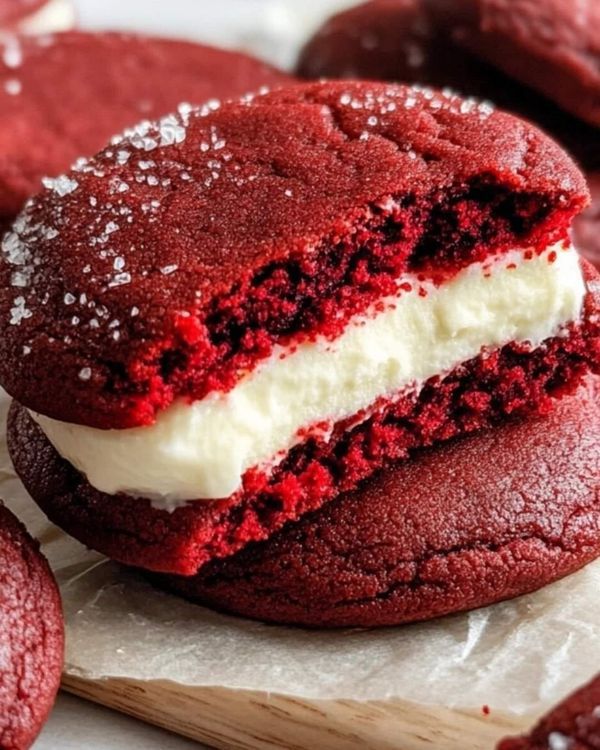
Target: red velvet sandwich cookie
{"type": "Point", "coordinates": [459, 526]}
{"type": "Point", "coordinates": [573, 725]}
{"type": "Point", "coordinates": [255, 307]}
{"type": "Point", "coordinates": [31, 636]}
{"type": "Point", "coordinates": [106, 82]}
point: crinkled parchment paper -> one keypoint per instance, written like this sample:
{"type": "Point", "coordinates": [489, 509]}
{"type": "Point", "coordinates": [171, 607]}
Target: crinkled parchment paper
{"type": "Point", "coordinates": [518, 657]}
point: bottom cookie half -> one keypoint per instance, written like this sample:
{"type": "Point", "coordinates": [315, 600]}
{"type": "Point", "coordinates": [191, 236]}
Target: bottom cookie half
{"type": "Point", "coordinates": [460, 526]}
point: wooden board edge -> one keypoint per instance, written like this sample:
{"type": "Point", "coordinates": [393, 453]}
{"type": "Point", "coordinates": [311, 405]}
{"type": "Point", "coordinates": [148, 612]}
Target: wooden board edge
{"type": "Point", "coordinates": [245, 720]}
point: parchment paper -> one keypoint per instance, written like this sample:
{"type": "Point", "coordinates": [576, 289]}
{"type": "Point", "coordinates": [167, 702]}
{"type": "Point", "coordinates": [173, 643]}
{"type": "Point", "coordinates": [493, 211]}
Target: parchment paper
{"type": "Point", "coordinates": [518, 657]}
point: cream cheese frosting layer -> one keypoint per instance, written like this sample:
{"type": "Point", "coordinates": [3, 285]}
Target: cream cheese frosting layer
{"type": "Point", "coordinates": [201, 450]}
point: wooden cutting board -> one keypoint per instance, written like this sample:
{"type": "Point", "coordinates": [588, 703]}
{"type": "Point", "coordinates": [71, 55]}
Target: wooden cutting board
{"type": "Point", "coordinates": [243, 720]}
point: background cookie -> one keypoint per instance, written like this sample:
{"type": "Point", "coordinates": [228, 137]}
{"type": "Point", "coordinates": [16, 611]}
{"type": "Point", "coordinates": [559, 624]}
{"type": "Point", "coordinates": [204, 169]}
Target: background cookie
{"type": "Point", "coordinates": [460, 526]}
{"type": "Point", "coordinates": [551, 46]}
{"type": "Point", "coordinates": [394, 40]}
{"type": "Point", "coordinates": [31, 636]}
{"type": "Point", "coordinates": [36, 16]}
{"type": "Point", "coordinates": [573, 725]}
{"type": "Point", "coordinates": [107, 82]}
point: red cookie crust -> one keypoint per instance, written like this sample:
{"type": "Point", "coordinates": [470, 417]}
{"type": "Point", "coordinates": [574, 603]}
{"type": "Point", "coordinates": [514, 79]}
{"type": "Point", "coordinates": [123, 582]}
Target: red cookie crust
{"type": "Point", "coordinates": [301, 208]}
{"type": "Point", "coordinates": [31, 636]}
{"type": "Point", "coordinates": [510, 382]}
{"type": "Point", "coordinates": [551, 46]}
{"type": "Point", "coordinates": [107, 81]}
{"type": "Point", "coordinates": [12, 11]}
{"type": "Point", "coordinates": [573, 725]}
{"type": "Point", "coordinates": [459, 526]}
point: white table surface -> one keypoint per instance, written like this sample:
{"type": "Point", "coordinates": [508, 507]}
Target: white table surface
{"type": "Point", "coordinates": [275, 28]}
{"type": "Point", "coordinates": [76, 724]}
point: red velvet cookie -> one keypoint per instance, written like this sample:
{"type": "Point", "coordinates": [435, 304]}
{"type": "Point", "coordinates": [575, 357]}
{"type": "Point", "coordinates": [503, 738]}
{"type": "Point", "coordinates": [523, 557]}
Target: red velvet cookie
{"type": "Point", "coordinates": [107, 82]}
{"type": "Point", "coordinates": [460, 526]}
{"type": "Point", "coordinates": [551, 46]}
{"type": "Point", "coordinates": [197, 258]}
{"type": "Point", "coordinates": [31, 636]}
{"type": "Point", "coordinates": [573, 725]}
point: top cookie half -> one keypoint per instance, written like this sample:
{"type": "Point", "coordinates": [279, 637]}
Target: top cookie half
{"type": "Point", "coordinates": [174, 262]}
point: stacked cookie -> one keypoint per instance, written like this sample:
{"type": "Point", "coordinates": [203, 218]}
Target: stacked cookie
{"type": "Point", "coordinates": [265, 314]}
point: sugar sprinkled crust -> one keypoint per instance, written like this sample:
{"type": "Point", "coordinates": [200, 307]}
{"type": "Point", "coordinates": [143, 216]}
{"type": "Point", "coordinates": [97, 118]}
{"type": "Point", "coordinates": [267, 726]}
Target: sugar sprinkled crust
{"type": "Point", "coordinates": [415, 543]}
{"type": "Point", "coordinates": [64, 95]}
{"type": "Point", "coordinates": [109, 275]}
{"type": "Point", "coordinates": [31, 636]}
{"type": "Point", "coordinates": [572, 725]}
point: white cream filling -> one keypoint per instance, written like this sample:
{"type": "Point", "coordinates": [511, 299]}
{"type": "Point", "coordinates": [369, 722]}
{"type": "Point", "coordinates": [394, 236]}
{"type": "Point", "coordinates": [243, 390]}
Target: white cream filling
{"type": "Point", "coordinates": [200, 451]}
